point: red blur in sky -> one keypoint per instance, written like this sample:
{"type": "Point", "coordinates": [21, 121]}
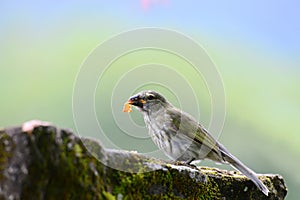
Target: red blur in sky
{"type": "Point", "coordinates": [147, 4]}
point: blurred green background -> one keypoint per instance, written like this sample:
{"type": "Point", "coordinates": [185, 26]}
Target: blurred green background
{"type": "Point", "coordinates": [255, 45]}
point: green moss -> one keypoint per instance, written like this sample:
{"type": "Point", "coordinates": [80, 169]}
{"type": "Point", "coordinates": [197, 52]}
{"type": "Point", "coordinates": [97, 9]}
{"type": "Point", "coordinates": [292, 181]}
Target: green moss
{"type": "Point", "coordinates": [164, 184]}
{"type": "Point", "coordinates": [205, 189]}
{"type": "Point", "coordinates": [6, 148]}
{"type": "Point", "coordinates": [108, 196]}
{"type": "Point", "coordinates": [78, 150]}
{"type": "Point", "coordinates": [68, 171]}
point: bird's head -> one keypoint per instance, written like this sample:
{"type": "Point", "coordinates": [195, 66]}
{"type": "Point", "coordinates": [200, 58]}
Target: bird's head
{"type": "Point", "coordinates": [148, 101]}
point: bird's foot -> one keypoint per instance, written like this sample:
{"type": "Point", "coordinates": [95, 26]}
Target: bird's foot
{"type": "Point", "coordinates": [186, 163]}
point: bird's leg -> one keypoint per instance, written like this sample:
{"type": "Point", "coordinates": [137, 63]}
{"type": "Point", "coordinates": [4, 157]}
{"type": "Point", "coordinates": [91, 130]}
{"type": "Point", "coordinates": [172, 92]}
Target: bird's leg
{"type": "Point", "coordinates": [188, 162]}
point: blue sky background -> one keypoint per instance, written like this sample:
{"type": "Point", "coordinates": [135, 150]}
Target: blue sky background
{"type": "Point", "coordinates": [273, 25]}
{"type": "Point", "coordinates": [255, 45]}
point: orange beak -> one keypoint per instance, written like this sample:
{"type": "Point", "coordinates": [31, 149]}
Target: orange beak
{"type": "Point", "coordinates": [130, 102]}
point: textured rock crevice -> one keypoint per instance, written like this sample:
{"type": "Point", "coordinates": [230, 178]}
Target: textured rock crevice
{"type": "Point", "coordinates": [46, 162]}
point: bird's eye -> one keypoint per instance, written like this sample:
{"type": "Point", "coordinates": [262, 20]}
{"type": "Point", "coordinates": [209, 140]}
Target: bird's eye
{"type": "Point", "coordinates": [150, 97]}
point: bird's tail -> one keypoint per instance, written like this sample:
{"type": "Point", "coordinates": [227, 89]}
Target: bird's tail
{"type": "Point", "coordinates": [228, 157]}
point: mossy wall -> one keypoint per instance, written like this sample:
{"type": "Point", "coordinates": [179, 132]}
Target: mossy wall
{"type": "Point", "coordinates": [52, 163]}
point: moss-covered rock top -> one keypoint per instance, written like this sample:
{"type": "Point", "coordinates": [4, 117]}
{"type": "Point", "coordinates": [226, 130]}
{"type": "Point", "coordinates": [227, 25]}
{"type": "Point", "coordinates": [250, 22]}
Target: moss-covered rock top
{"type": "Point", "coordinates": [45, 162]}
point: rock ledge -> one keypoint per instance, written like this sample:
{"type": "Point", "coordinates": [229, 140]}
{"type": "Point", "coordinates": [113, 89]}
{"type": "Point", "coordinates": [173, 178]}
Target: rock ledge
{"type": "Point", "coordinates": [47, 162]}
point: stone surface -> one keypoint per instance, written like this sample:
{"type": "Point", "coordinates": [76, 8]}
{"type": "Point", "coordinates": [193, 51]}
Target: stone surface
{"type": "Point", "coordinates": [44, 162]}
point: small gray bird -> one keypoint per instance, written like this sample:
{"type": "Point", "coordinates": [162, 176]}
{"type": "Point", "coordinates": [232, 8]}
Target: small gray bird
{"type": "Point", "coordinates": [181, 137]}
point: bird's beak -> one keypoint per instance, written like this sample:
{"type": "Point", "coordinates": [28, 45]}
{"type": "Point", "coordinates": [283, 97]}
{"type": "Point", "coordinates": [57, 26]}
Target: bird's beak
{"type": "Point", "coordinates": [136, 101]}
{"type": "Point", "coordinates": [130, 102]}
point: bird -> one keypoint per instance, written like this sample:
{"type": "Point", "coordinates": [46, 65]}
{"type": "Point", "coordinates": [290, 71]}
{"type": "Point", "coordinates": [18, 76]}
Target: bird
{"type": "Point", "coordinates": [181, 137]}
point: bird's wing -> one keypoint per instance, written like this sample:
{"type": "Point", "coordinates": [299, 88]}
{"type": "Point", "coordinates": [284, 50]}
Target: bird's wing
{"type": "Point", "coordinates": [203, 136]}
{"type": "Point", "coordinates": [192, 129]}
